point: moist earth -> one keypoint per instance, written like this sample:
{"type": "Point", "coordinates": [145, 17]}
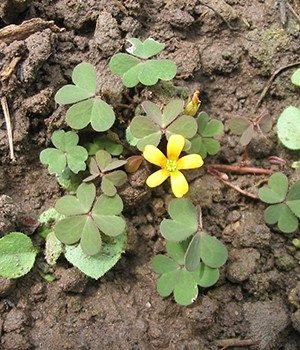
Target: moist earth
{"type": "Point", "coordinates": [225, 49]}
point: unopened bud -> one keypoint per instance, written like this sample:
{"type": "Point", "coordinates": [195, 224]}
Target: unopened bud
{"type": "Point", "coordinates": [193, 104]}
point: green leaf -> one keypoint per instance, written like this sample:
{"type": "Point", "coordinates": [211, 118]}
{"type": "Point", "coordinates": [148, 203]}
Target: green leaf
{"type": "Point", "coordinates": [172, 111]}
{"type": "Point", "coordinates": [287, 221]}
{"type": "Point", "coordinates": [202, 121]}
{"type": "Point", "coordinates": [97, 265]}
{"type": "Point", "coordinates": [166, 283]}
{"type": "Point", "coordinates": [276, 190]}
{"type": "Point", "coordinates": [296, 77]}
{"type": "Point", "coordinates": [108, 187]}
{"type": "Point", "coordinates": [163, 69]}
{"type": "Point", "coordinates": [212, 251]}
{"type": "Point", "coordinates": [214, 127]}
{"type": "Point", "coordinates": [55, 159]}
{"type": "Point", "coordinates": [212, 146]}
{"type": "Point", "coordinates": [103, 158]}
{"type": "Point", "coordinates": [17, 255]}
{"type": "Point", "coordinates": [273, 212]}
{"type": "Point", "coordinates": [153, 139]}
{"type": "Point", "coordinates": [90, 241]}
{"type": "Point", "coordinates": [145, 49]}
{"type": "Point", "coordinates": [184, 223]}
{"type": "Point", "coordinates": [153, 112]}
{"type": "Point", "coordinates": [115, 164]}
{"type": "Point", "coordinates": [288, 127]}
{"type": "Point", "coordinates": [85, 76]}
{"type": "Point", "coordinates": [206, 276]}
{"type": "Point", "coordinates": [185, 290]}
{"type": "Point", "coordinates": [108, 205]}
{"type": "Point", "coordinates": [130, 138]}
{"type": "Point", "coordinates": [192, 255]}
{"type": "Point", "coordinates": [163, 264]}
{"type": "Point", "coordinates": [238, 125]}
{"type": "Point", "coordinates": [69, 229]}
{"type": "Point", "coordinates": [94, 111]}
{"type": "Point", "coordinates": [247, 135]}
{"type": "Point", "coordinates": [141, 127]}
{"type": "Point", "coordinates": [53, 249]}
{"type": "Point", "coordinates": [185, 126]}
{"type": "Point", "coordinates": [118, 177]}
{"type": "Point", "coordinates": [294, 206]}
{"type": "Point", "coordinates": [176, 250]}
{"type": "Point", "coordinates": [64, 140]}
{"type": "Point", "coordinates": [293, 199]}
{"type": "Point", "coordinates": [120, 63]}
{"type": "Point", "coordinates": [131, 77]}
{"type": "Point", "coordinates": [47, 220]}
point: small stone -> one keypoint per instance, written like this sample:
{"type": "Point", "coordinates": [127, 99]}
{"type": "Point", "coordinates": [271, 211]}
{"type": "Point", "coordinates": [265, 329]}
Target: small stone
{"type": "Point", "coordinates": [253, 236]}
{"type": "Point", "coordinates": [205, 314]}
{"type": "Point", "coordinates": [205, 190]}
{"type": "Point", "coordinates": [158, 207]}
{"type": "Point", "coordinates": [242, 264]}
{"type": "Point", "coordinates": [267, 321]}
{"type": "Point", "coordinates": [233, 216]}
{"type": "Point", "coordinates": [15, 320]}
{"type": "Point", "coordinates": [147, 231]}
{"type": "Point", "coordinates": [285, 262]}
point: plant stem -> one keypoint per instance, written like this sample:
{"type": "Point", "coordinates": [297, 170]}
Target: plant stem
{"type": "Point", "coordinates": [240, 169]}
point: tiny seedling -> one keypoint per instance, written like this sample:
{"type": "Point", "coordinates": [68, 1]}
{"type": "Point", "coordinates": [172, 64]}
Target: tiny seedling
{"type": "Point", "coordinates": [203, 142]}
{"type": "Point", "coordinates": [136, 66]}
{"type": "Point", "coordinates": [104, 167]}
{"type": "Point", "coordinates": [193, 256]}
{"type": "Point", "coordinates": [17, 255]}
{"type": "Point", "coordinates": [87, 107]}
{"type": "Point", "coordinates": [87, 222]}
{"type": "Point", "coordinates": [150, 129]}
{"type": "Point", "coordinates": [285, 204]}
{"type": "Point", "coordinates": [66, 154]}
{"type": "Point", "coordinates": [248, 128]}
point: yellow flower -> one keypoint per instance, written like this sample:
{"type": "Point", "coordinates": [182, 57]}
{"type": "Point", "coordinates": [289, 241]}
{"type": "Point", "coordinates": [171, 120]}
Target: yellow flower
{"type": "Point", "coordinates": [193, 104]}
{"type": "Point", "coordinates": [171, 165]}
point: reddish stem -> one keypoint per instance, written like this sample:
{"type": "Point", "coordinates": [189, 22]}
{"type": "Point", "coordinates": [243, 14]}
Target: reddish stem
{"type": "Point", "coordinates": [240, 169]}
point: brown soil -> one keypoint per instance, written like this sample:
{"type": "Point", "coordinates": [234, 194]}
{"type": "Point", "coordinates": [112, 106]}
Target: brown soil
{"type": "Point", "coordinates": [228, 54]}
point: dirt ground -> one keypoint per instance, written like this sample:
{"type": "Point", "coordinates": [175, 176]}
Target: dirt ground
{"type": "Point", "coordinates": [228, 54]}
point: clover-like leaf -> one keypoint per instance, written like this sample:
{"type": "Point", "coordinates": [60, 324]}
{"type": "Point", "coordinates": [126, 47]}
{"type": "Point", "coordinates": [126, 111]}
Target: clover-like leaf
{"type": "Point", "coordinates": [97, 265]}
{"type": "Point", "coordinates": [66, 153]}
{"type": "Point", "coordinates": [281, 214]}
{"type": "Point", "coordinates": [293, 198]}
{"type": "Point", "coordinates": [184, 220]}
{"type": "Point", "coordinates": [193, 254]}
{"type": "Point", "coordinates": [295, 78]}
{"type": "Point", "coordinates": [163, 264]}
{"type": "Point", "coordinates": [184, 125]}
{"type": "Point", "coordinates": [212, 251]}
{"type": "Point", "coordinates": [84, 221]}
{"type": "Point", "coordinates": [276, 190]}
{"type": "Point", "coordinates": [145, 49]}
{"type": "Point", "coordinates": [203, 142]}
{"type": "Point", "coordinates": [135, 70]}
{"type": "Point", "coordinates": [84, 78]}
{"type": "Point", "coordinates": [186, 289]}
{"type": "Point", "coordinates": [206, 276]}
{"type": "Point", "coordinates": [17, 255]}
{"type": "Point", "coordinates": [177, 250]}
{"type": "Point", "coordinates": [103, 142]}
{"type": "Point", "coordinates": [238, 125]}
{"type": "Point", "coordinates": [288, 128]}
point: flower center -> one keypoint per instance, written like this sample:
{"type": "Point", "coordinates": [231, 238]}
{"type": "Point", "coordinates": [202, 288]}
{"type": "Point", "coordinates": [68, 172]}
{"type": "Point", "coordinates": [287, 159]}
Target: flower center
{"type": "Point", "coordinates": [171, 165]}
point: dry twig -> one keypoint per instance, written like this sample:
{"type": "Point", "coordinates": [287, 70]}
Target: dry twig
{"type": "Point", "coordinates": [270, 81]}
{"type": "Point", "coordinates": [8, 127]}
{"type": "Point", "coordinates": [227, 343]}
{"type": "Point", "coordinates": [20, 32]}
{"type": "Point", "coordinates": [8, 70]}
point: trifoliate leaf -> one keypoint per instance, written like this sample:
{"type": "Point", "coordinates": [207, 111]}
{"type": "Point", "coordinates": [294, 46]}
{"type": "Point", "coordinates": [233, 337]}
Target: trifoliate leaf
{"type": "Point", "coordinates": [141, 127]}
{"type": "Point", "coordinates": [107, 187]}
{"type": "Point", "coordinates": [212, 251]}
{"type": "Point", "coordinates": [213, 127]}
{"type": "Point", "coordinates": [153, 112]}
{"type": "Point", "coordinates": [176, 250]}
{"type": "Point", "coordinates": [287, 221]}
{"type": "Point", "coordinates": [152, 139]}
{"type": "Point", "coordinates": [171, 111]}
{"type": "Point", "coordinates": [166, 283]}
{"type": "Point", "coordinates": [17, 255]}
{"type": "Point", "coordinates": [185, 126]}
{"type": "Point", "coordinates": [276, 190]}
{"type": "Point", "coordinates": [68, 153]}
{"type": "Point", "coordinates": [97, 265]}
{"type": "Point", "coordinates": [288, 127]}
{"type": "Point", "coordinates": [238, 125]}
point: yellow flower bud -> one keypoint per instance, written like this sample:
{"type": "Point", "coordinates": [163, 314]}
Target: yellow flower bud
{"type": "Point", "coordinates": [193, 104]}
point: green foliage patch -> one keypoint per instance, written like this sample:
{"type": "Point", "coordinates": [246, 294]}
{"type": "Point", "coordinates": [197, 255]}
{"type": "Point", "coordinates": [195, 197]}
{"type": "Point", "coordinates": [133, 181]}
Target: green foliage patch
{"type": "Point", "coordinates": [285, 203]}
{"type": "Point", "coordinates": [136, 66]}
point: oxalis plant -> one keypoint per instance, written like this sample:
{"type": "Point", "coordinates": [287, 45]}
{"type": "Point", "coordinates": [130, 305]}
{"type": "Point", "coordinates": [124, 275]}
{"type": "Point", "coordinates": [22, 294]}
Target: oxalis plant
{"type": "Point", "coordinates": [86, 226]}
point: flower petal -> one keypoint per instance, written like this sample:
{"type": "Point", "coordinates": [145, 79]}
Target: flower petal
{"type": "Point", "coordinates": [157, 178]}
{"type": "Point", "coordinates": [179, 184]}
{"type": "Point", "coordinates": [175, 146]}
{"type": "Point", "coordinates": [153, 155]}
{"type": "Point", "coordinates": [191, 161]}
